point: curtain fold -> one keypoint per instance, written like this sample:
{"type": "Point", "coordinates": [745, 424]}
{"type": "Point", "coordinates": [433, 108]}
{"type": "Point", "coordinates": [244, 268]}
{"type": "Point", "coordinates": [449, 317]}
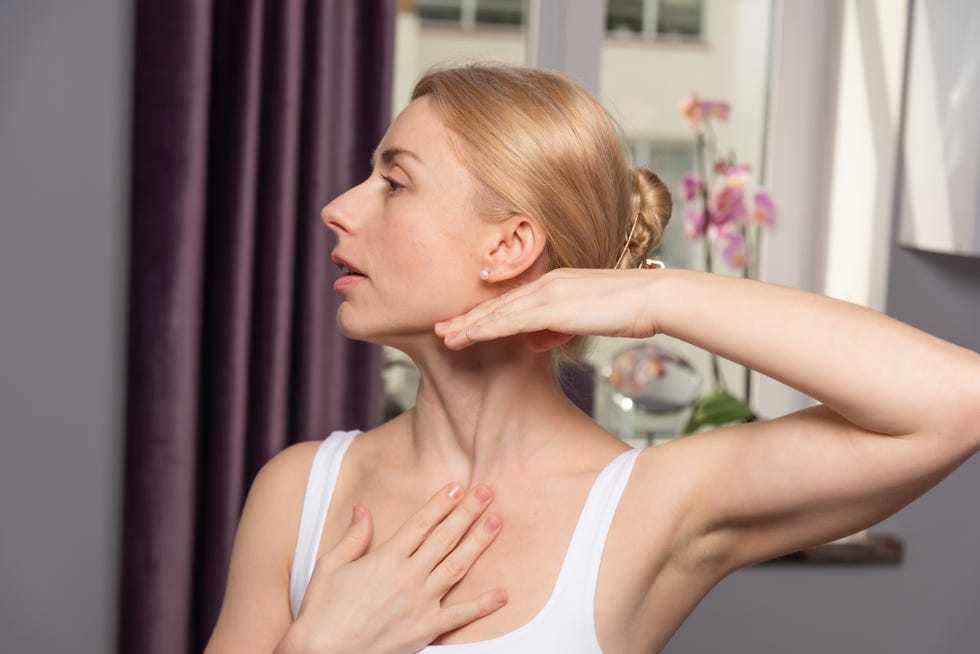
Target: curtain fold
{"type": "Point", "coordinates": [249, 115]}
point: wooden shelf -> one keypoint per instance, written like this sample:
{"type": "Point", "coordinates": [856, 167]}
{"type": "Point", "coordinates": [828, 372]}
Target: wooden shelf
{"type": "Point", "coordinates": [877, 549]}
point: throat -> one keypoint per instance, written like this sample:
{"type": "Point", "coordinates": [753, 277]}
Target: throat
{"type": "Point", "coordinates": [481, 420]}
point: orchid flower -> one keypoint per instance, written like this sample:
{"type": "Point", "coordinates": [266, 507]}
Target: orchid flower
{"type": "Point", "coordinates": [691, 109]}
{"type": "Point", "coordinates": [694, 222]}
{"type": "Point", "coordinates": [764, 212]}
{"type": "Point", "coordinates": [691, 187]}
{"type": "Point", "coordinates": [733, 251]}
{"type": "Point", "coordinates": [727, 205]}
{"type": "Point", "coordinates": [697, 111]}
{"type": "Point", "coordinates": [722, 222]}
{"type": "Point", "coordinates": [717, 109]}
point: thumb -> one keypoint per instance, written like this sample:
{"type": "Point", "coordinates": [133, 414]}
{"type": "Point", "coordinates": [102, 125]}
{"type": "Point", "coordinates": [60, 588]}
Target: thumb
{"type": "Point", "coordinates": [356, 540]}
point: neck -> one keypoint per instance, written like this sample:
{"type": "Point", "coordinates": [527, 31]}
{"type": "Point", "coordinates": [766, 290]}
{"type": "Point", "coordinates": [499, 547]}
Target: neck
{"type": "Point", "coordinates": [490, 411]}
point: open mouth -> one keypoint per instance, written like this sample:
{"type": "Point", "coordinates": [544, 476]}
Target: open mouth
{"type": "Point", "coordinates": [347, 270]}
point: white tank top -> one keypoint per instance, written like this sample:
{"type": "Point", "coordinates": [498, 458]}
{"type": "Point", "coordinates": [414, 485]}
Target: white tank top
{"type": "Point", "coordinates": [565, 624]}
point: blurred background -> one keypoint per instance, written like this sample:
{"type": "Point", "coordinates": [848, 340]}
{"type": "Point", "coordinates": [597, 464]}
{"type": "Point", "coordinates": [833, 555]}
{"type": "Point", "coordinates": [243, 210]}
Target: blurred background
{"type": "Point", "coordinates": [858, 116]}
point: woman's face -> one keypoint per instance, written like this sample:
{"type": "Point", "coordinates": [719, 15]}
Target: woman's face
{"type": "Point", "coordinates": [411, 234]}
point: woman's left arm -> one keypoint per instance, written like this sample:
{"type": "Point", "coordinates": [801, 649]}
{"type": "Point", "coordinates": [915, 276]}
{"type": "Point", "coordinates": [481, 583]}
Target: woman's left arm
{"type": "Point", "coordinates": [900, 408]}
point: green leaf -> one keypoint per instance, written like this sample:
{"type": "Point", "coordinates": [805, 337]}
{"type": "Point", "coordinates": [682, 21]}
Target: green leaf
{"type": "Point", "coordinates": [716, 409]}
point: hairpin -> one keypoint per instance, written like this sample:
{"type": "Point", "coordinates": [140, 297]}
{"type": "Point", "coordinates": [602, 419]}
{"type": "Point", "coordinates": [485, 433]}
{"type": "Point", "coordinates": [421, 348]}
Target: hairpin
{"type": "Point", "coordinates": [646, 263]}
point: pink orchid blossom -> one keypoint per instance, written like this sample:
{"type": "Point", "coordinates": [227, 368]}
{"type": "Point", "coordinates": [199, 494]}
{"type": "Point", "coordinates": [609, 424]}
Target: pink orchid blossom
{"type": "Point", "coordinates": [728, 203]}
{"type": "Point", "coordinates": [691, 109]}
{"type": "Point", "coordinates": [691, 187]}
{"type": "Point", "coordinates": [739, 170]}
{"type": "Point", "coordinates": [717, 109]}
{"type": "Point", "coordinates": [764, 212]}
{"type": "Point", "coordinates": [733, 250]}
{"type": "Point", "coordinates": [694, 222]}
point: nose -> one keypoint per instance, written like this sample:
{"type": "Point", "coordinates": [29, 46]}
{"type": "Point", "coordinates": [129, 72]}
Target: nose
{"type": "Point", "coordinates": [339, 215]}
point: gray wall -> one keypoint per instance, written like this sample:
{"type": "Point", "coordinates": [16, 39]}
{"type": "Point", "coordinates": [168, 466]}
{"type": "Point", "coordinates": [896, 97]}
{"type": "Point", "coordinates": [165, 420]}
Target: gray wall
{"type": "Point", "coordinates": [64, 126]}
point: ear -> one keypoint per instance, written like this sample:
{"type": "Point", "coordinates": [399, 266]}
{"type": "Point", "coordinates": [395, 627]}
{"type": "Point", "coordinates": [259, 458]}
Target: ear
{"type": "Point", "coordinates": [516, 245]}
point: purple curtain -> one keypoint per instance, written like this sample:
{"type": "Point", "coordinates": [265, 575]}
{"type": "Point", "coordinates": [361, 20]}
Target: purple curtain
{"type": "Point", "coordinates": [249, 115]}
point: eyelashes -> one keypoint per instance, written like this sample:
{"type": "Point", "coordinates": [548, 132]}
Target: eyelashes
{"type": "Point", "coordinates": [393, 186]}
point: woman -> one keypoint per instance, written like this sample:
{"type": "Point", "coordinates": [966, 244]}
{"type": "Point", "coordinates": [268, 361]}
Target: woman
{"type": "Point", "coordinates": [500, 224]}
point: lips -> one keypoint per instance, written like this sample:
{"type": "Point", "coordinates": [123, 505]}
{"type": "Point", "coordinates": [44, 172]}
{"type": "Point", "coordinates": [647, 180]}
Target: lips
{"type": "Point", "coordinates": [345, 267]}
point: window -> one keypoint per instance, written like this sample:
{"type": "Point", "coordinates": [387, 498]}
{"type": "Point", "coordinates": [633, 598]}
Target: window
{"type": "Point", "coordinates": [468, 14]}
{"type": "Point", "coordinates": [655, 19]}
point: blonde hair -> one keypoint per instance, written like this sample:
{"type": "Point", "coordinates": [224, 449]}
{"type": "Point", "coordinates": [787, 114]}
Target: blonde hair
{"type": "Point", "coordinates": [541, 146]}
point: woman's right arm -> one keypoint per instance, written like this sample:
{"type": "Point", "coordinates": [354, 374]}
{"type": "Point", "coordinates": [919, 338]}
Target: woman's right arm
{"type": "Point", "coordinates": [386, 601]}
{"type": "Point", "coordinates": [255, 613]}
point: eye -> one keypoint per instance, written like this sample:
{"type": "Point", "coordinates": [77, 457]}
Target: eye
{"type": "Point", "coordinates": [392, 184]}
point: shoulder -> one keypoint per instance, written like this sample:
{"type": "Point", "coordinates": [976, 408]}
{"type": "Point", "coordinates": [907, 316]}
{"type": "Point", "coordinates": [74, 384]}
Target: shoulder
{"type": "Point", "coordinates": [255, 612]}
{"type": "Point", "coordinates": [281, 483]}
{"type": "Point", "coordinates": [272, 510]}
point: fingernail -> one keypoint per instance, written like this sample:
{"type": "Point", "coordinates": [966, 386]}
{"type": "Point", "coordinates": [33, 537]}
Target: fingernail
{"type": "Point", "coordinates": [473, 332]}
{"type": "Point", "coordinates": [455, 491]}
{"type": "Point", "coordinates": [482, 493]}
{"type": "Point", "coordinates": [357, 516]}
{"type": "Point", "coordinates": [492, 523]}
{"type": "Point", "coordinates": [499, 596]}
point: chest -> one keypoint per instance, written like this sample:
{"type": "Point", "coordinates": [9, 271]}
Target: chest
{"type": "Point", "coordinates": [538, 521]}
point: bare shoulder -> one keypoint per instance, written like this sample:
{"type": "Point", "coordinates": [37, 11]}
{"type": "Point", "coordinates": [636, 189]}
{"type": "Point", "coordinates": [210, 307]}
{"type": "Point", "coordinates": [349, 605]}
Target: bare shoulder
{"type": "Point", "coordinates": [275, 501]}
{"type": "Point", "coordinates": [286, 473]}
{"type": "Point", "coordinates": [255, 612]}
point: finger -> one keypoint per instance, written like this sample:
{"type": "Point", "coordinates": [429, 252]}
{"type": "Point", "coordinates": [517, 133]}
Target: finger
{"type": "Point", "coordinates": [448, 533]}
{"type": "Point", "coordinates": [482, 310]}
{"type": "Point", "coordinates": [355, 541]}
{"type": "Point", "coordinates": [463, 613]}
{"type": "Point", "coordinates": [505, 321]}
{"type": "Point", "coordinates": [458, 562]}
{"type": "Point", "coordinates": [417, 528]}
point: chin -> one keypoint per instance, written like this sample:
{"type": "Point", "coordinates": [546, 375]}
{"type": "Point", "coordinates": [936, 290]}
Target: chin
{"type": "Point", "coordinates": [351, 327]}
{"type": "Point", "coordinates": [382, 332]}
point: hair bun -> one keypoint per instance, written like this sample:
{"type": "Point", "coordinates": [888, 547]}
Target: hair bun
{"type": "Point", "coordinates": [652, 207]}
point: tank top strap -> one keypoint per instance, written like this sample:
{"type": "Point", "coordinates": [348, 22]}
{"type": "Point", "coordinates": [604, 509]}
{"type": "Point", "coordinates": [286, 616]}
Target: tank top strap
{"type": "Point", "coordinates": [579, 575]}
{"type": "Point", "coordinates": [319, 491]}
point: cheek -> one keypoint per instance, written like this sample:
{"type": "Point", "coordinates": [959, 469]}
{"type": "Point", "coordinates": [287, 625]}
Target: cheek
{"type": "Point", "coordinates": [424, 252]}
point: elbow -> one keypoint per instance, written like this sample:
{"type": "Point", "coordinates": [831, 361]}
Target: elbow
{"type": "Point", "coordinates": [973, 421]}
{"type": "Point", "coordinates": [967, 421]}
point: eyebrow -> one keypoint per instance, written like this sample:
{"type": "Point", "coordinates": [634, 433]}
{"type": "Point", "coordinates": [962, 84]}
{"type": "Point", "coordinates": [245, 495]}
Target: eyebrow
{"type": "Point", "coordinates": [388, 156]}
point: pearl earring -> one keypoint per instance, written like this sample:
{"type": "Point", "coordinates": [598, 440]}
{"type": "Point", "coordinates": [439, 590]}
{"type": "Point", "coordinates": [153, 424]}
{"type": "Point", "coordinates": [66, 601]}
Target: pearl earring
{"type": "Point", "coordinates": [484, 274]}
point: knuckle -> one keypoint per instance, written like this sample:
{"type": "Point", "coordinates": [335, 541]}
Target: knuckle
{"type": "Point", "coordinates": [444, 542]}
{"type": "Point", "coordinates": [472, 507]}
{"type": "Point", "coordinates": [418, 525]}
{"type": "Point", "coordinates": [456, 615]}
{"type": "Point", "coordinates": [455, 568]}
{"type": "Point", "coordinates": [497, 313]}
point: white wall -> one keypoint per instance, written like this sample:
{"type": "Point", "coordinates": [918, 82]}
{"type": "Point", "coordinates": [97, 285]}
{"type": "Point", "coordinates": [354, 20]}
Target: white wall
{"type": "Point", "coordinates": [643, 82]}
{"type": "Point", "coordinates": [869, 95]}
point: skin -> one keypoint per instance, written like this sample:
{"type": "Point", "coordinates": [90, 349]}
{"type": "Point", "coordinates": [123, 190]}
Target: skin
{"type": "Point", "coordinates": [899, 411]}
